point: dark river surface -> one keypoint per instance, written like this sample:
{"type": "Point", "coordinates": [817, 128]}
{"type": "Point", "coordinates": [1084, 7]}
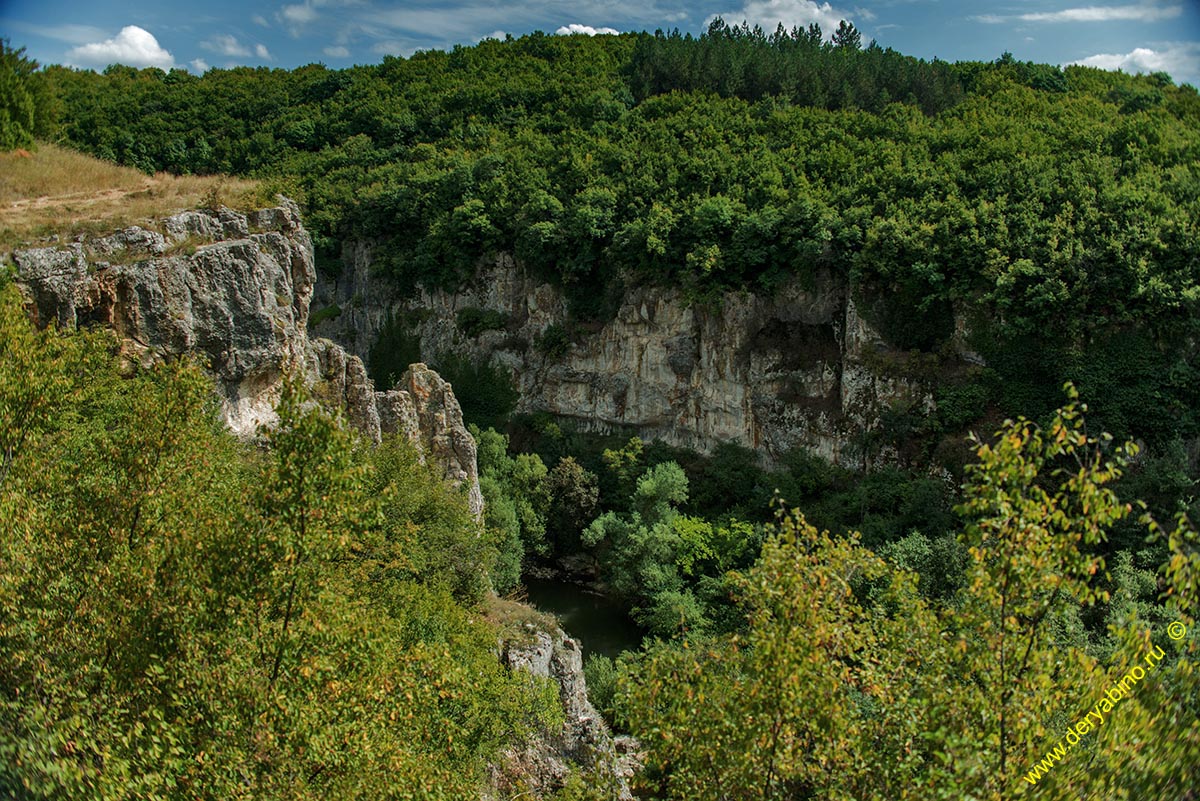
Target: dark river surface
{"type": "Point", "coordinates": [600, 625]}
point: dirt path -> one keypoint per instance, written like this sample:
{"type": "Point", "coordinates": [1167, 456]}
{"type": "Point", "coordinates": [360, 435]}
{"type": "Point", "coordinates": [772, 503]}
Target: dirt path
{"type": "Point", "coordinates": [78, 198]}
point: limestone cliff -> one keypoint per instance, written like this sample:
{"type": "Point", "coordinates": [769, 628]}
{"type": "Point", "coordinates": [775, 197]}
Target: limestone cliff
{"type": "Point", "coordinates": [800, 367]}
{"type": "Point", "coordinates": [234, 290]}
{"type": "Point", "coordinates": [542, 764]}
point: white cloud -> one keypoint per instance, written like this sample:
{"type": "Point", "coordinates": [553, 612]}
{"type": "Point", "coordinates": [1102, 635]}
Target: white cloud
{"type": "Point", "coordinates": [133, 46]}
{"type": "Point", "coordinates": [226, 45]}
{"type": "Point", "coordinates": [71, 34]}
{"type": "Point", "coordinates": [296, 16]}
{"type": "Point", "coordinates": [259, 19]}
{"type": "Point", "coordinates": [299, 13]}
{"type": "Point", "coordinates": [1180, 60]}
{"type": "Point", "coordinates": [1142, 12]}
{"type": "Point", "coordinates": [392, 47]}
{"type": "Point", "coordinates": [441, 26]}
{"type": "Point", "coordinates": [768, 14]}
{"type": "Point", "coordinates": [464, 23]}
{"type": "Point", "coordinates": [588, 30]}
{"type": "Point", "coordinates": [500, 35]}
{"type": "Point", "coordinates": [402, 28]}
{"type": "Point", "coordinates": [864, 14]}
{"type": "Point", "coordinates": [199, 65]}
{"type": "Point", "coordinates": [337, 52]}
{"type": "Point", "coordinates": [229, 46]}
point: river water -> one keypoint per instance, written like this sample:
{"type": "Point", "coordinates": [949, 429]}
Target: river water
{"type": "Point", "coordinates": [600, 624]}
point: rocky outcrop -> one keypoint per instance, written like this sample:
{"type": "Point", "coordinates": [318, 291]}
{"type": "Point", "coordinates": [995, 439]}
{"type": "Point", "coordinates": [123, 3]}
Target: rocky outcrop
{"type": "Point", "coordinates": [542, 765]}
{"type": "Point", "coordinates": [240, 304]}
{"type": "Point", "coordinates": [420, 407]}
{"type": "Point", "coordinates": [800, 367]}
{"type": "Point", "coordinates": [234, 290]}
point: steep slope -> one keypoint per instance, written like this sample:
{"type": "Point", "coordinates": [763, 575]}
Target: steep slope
{"type": "Point", "coordinates": [234, 290]}
{"type": "Point", "coordinates": [799, 367]}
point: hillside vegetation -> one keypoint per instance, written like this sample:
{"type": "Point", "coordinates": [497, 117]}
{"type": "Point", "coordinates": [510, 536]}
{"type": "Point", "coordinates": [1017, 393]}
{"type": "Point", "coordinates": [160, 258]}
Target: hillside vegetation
{"type": "Point", "coordinates": [55, 190]}
{"type": "Point", "coordinates": [185, 616]}
{"type": "Point", "coordinates": [1054, 210]}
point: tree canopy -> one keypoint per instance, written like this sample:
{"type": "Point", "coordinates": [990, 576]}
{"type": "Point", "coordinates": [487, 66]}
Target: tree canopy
{"type": "Point", "coordinates": [1049, 214]}
{"type": "Point", "coordinates": [183, 616]}
{"type": "Point", "coordinates": [848, 683]}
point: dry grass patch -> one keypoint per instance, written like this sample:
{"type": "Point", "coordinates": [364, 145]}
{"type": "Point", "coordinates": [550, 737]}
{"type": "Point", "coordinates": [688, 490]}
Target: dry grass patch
{"type": "Point", "coordinates": [61, 191]}
{"type": "Point", "coordinates": [516, 620]}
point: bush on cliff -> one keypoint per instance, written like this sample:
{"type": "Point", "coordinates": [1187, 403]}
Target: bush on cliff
{"type": "Point", "coordinates": [182, 616]}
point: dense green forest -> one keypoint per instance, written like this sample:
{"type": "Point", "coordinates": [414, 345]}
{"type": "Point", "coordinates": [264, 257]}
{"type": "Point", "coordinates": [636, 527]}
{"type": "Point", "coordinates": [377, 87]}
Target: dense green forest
{"type": "Point", "coordinates": [1054, 209]}
{"type": "Point", "coordinates": [186, 616]}
{"type": "Point", "coordinates": [307, 620]}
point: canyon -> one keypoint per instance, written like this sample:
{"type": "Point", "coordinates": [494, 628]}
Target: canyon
{"type": "Point", "coordinates": [798, 368]}
{"type": "Point", "coordinates": [233, 291]}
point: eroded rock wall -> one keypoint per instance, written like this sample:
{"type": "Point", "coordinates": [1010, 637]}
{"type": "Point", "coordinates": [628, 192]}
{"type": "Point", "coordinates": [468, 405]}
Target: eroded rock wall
{"type": "Point", "coordinates": [800, 367]}
{"type": "Point", "coordinates": [542, 764]}
{"type": "Point", "coordinates": [210, 287]}
{"type": "Point", "coordinates": [234, 290]}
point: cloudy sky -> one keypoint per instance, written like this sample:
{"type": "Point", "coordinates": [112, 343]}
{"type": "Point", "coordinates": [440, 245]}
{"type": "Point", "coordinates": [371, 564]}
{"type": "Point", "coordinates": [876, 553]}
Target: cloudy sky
{"type": "Point", "coordinates": [1133, 35]}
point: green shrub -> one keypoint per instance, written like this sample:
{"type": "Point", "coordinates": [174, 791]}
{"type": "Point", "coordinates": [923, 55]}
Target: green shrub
{"type": "Point", "coordinates": [600, 672]}
{"type": "Point", "coordinates": [321, 315]}
{"type": "Point", "coordinates": [959, 405]}
{"type": "Point", "coordinates": [394, 350]}
{"type": "Point", "coordinates": [939, 563]}
{"type": "Point", "coordinates": [473, 322]}
{"type": "Point", "coordinates": [554, 343]}
{"type": "Point", "coordinates": [486, 393]}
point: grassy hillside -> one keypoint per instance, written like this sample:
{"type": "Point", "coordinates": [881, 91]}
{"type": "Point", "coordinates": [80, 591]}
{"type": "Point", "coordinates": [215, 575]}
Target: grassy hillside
{"type": "Point", "coordinates": [62, 191]}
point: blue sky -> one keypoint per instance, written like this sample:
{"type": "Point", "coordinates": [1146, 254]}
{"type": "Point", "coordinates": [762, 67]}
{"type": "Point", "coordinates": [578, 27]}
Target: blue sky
{"type": "Point", "coordinates": [1134, 35]}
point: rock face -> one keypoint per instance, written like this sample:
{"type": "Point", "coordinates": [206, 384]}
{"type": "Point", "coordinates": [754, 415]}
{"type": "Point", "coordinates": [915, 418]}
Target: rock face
{"type": "Point", "coordinates": [798, 368]}
{"type": "Point", "coordinates": [234, 290]}
{"type": "Point", "coordinates": [543, 764]}
{"type": "Point", "coordinates": [421, 407]}
{"type": "Point", "coordinates": [239, 303]}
